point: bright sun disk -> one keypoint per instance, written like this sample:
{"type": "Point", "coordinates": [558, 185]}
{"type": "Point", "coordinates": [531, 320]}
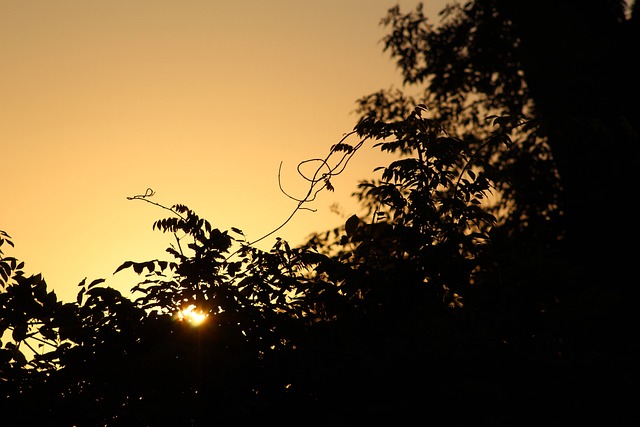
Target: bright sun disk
{"type": "Point", "coordinates": [191, 315]}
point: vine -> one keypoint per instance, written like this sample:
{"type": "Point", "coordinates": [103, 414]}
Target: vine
{"type": "Point", "coordinates": [318, 181]}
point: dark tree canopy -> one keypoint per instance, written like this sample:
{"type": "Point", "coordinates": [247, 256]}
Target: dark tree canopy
{"type": "Point", "coordinates": [569, 67]}
{"type": "Point", "coordinates": [483, 283]}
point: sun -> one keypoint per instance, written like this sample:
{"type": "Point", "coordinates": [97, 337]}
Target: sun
{"type": "Point", "coordinates": [192, 315]}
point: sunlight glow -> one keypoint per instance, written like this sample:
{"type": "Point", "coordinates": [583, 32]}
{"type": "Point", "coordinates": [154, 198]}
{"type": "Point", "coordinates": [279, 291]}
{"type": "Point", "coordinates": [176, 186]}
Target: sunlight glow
{"type": "Point", "coordinates": [191, 315]}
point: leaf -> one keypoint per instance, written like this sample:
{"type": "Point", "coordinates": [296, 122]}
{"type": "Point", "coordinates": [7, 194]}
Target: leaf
{"type": "Point", "coordinates": [48, 333]}
{"type": "Point", "coordinates": [105, 293]}
{"type": "Point", "coordinates": [150, 265]}
{"type": "Point", "coordinates": [19, 332]}
{"type": "Point", "coordinates": [95, 282]}
{"type": "Point", "coordinates": [352, 224]}
{"type": "Point", "coordinates": [328, 184]}
{"type": "Point", "coordinates": [124, 265]}
{"type": "Point", "coordinates": [342, 147]}
{"type": "Point", "coordinates": [52, 298]}
{"type": "Point", "coordinates": [19, 357]}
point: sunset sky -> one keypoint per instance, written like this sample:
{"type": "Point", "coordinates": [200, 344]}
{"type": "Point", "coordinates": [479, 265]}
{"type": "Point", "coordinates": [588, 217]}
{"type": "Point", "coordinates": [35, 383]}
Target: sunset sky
{"type": "Point", "coordinates": [198, 99]}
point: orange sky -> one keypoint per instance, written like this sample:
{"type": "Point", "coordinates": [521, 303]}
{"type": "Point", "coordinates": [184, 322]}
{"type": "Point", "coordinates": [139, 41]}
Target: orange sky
{"type": "Point", "coordinates": [198, 99]}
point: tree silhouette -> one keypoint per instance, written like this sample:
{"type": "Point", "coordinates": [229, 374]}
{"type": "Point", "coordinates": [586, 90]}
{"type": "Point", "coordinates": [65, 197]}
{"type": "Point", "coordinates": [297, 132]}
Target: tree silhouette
{"type": "Point", "coordinates": [464, 292]}
{"type": "Point", "coordinates": [566, 65]}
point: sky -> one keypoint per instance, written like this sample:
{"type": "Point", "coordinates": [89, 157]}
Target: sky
{"type": "Point", "coordinates": [200, 100]}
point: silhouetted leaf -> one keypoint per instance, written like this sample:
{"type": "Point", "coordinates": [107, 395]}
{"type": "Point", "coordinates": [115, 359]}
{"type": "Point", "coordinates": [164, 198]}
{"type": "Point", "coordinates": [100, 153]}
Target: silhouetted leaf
{"type": "Point", "coordinates": [95, 282]}
{"type": "Point", "coordinates": [124, 265]}
{"type": "Point", "coordinates": [20, 332]}
{"type": "Point", "coordinates": [48, 333]}
{"type": "Point", "coordinates": [80, 295]}
{"type": "Point", "coordinates": [351, 225]}
{"type": "Point", "coordinates": [106, 293]}
{"type": "Point", "coordinates": [19, 357]}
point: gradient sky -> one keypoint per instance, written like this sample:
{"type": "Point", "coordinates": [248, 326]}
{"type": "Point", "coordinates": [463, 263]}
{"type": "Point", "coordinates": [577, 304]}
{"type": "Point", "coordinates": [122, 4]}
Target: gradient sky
{"type": "Point", "coordinates": [198, 99]}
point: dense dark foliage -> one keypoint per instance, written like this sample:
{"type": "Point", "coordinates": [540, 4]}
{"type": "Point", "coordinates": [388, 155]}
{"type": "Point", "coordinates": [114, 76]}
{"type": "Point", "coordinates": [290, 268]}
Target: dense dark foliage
{"type": "Point", "coordinates": [478, 286]}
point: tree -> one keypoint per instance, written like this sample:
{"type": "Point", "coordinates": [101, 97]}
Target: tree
{"type": "Point", "coordinates": [567, 65]}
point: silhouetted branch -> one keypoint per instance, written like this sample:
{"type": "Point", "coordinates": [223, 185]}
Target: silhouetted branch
{"type": "Point", "coordinates": [145, 197]}
{"type": "Point", "coordinates": [149, 193]}
{"type": "Point", "coordinates": [319, 180]}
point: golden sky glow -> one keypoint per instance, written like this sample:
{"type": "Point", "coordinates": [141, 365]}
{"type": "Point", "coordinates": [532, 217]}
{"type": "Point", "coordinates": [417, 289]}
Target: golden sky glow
{"type": "Point", "coordinates": [198, 99]}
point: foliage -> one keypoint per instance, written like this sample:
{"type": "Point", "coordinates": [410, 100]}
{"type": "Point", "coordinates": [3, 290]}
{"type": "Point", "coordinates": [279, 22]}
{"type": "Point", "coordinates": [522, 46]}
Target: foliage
{"type": "Point", "coordinates": [543, 61]}
{"type": "Point", "coordinates": [425, 239]}
{"type": "Point", "coordinates": [450, 297]}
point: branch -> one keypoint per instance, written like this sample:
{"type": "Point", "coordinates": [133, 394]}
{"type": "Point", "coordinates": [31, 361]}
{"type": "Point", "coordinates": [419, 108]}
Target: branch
{"type": "Point", "coordinates": [318, 181]}
{"type": "Point", "coordinates": [145, 197]}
